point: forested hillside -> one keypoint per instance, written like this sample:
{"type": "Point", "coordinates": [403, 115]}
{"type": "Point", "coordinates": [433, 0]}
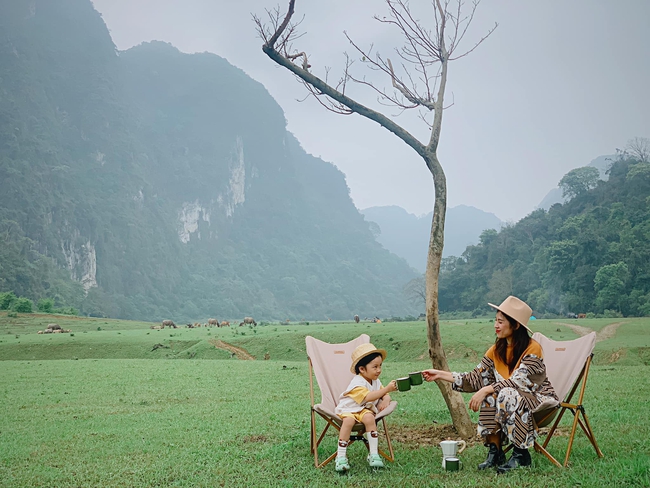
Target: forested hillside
{"type": "Point", "coordinates": [153, 184]}
{"type": "Point", "coordinates": [590, 255]}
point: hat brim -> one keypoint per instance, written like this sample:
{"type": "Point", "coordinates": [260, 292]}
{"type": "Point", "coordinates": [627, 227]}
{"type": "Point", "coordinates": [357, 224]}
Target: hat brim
{"type": "Point", "coordinates": [380, 351]}
{"type": "Point", "coordinates": [496, 307]}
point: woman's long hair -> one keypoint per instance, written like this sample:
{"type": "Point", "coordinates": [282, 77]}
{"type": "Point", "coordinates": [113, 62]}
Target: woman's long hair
{"type": "Point", "coordinates": [520, 340]}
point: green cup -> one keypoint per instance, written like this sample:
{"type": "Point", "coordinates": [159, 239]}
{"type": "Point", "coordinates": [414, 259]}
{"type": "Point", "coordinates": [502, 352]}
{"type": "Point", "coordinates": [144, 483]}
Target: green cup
{"type": "Point", "coordinates": [415, 378]}
{"type": "Point", "coordinates": [452, 464]}
{"type": "Point", "coordinates": [403, 384]}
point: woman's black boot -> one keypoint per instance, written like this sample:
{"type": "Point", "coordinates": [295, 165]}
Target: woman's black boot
{"type": "Point", "coordinates": [520, 457]}
{"type": "Point", "coordinates": [495, 457]}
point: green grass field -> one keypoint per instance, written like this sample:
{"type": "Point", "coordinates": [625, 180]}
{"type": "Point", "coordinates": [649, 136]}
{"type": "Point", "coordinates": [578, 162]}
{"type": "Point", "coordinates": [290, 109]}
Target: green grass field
{"type": "Point", "coordinates": [94, 409]}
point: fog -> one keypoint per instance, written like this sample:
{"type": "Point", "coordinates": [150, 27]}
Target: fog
{"type": "Point", "coordinates": [556, 85]}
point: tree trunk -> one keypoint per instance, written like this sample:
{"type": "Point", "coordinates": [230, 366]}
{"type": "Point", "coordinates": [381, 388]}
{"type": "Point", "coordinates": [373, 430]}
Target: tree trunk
{"type": "Point", "coordinates": [453, 399]}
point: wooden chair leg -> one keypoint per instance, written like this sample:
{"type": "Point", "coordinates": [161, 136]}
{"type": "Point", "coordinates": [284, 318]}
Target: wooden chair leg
{"type": "Point", "coordinates": [591, 436]}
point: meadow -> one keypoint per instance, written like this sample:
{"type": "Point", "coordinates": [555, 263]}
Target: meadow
{"type": "Point", "coordinates": [115, 403]}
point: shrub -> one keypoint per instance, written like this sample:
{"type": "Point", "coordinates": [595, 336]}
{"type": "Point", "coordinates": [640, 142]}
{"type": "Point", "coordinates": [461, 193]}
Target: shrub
{"type": "Point", "coordinates": [22, 305]}
{"type": "Point", "coordinates": [612, 314]}
{"type": "Point", "coordinates": [12, 315]}
{"type": "Point", "coordinates": [45, 305]}
{"type": "Point", "coordinates": [7, 299]}
{"type": "Point", "coordinates": [66, 311]}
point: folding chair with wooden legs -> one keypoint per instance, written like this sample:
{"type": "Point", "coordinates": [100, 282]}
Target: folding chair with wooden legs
{"type": "Point", "coordinates": [330, 363]}
{"type": "Point", "coordinates": [567, 366]}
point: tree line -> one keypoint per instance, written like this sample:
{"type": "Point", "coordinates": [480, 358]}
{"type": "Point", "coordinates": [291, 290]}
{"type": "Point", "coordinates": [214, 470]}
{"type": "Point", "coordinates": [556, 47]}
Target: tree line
{"type": "Point", "coordinates": [589, 255]}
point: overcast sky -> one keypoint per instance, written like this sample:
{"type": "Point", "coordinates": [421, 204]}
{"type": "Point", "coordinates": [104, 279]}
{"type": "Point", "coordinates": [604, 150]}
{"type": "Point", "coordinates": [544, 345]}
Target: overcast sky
{"type": "Point", "coordinates": [558, 83]}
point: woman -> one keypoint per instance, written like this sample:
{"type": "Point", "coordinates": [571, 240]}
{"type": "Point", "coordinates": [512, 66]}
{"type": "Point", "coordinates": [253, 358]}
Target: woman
{"type": "Point", "coordinates": [510, 384]}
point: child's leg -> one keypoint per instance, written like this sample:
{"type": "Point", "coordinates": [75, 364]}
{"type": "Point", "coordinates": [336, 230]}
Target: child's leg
{"type": "Point", "coordinates": [344, 436]}
{"type": "Point", "coordinates": [371, 428]}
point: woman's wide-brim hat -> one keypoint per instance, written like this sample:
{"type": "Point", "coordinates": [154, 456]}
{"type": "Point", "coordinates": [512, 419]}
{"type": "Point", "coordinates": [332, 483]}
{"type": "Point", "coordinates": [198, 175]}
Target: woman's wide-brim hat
{"type": "Point", "coordinates": [362, 351]}
{"type": "Point", "coordinates": [517, 309]}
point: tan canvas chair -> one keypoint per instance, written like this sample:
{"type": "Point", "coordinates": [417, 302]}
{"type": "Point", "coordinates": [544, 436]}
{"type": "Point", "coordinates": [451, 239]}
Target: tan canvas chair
{"type": "Point", "coordinates": [567, 367]}
{"type": "Point", "coordinates": [330, 363]}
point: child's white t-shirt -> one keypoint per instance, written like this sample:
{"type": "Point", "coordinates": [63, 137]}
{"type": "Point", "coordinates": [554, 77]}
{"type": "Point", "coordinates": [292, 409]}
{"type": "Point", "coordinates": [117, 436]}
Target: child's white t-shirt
{"type": "Point", "coordinates": [361, 388]}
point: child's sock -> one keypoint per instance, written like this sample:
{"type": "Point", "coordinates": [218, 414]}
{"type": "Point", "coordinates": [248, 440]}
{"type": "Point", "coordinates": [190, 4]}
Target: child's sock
{"type": "Point", "coordinates": [343, 449]}
{"type": "Point", "coordinates": [373, 441]}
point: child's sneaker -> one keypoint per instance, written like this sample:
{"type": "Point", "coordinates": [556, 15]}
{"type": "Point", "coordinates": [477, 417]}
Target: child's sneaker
{"type": "Point", "coordinates": [374, 460]}
{"type": "Point", "coordinates": [342, 464]}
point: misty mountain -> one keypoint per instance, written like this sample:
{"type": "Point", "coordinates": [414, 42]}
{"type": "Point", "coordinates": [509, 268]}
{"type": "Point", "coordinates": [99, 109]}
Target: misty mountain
{"type": "Point", "coordinates": [154, 184]}
{"type": "Point", "coordinates": [601, 163]}
{"type": "Point", "coordinates": [407, 235]}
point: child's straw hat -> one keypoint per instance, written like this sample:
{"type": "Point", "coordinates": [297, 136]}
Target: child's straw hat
{"type": "Point", "coordinates": [362, 351]}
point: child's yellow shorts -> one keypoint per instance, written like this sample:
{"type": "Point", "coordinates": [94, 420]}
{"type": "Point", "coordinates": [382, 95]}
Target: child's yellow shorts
{"type": "Point", "coordinates": [357, 415]}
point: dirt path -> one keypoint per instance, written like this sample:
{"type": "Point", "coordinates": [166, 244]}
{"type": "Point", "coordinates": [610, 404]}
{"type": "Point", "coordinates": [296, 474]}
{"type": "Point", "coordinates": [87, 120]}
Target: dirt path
{"type": "Point", "coordinates": [603, 334]}
{"type": "Point", "coordinates": [608, 331]}
{"type": "Point", "coordinates": [237, 351]}
{"type": "Point", "coordinates": [578, 329]}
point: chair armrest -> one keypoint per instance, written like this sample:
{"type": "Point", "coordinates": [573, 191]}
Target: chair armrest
{"type": "Point", "coordinates": [387, 411]}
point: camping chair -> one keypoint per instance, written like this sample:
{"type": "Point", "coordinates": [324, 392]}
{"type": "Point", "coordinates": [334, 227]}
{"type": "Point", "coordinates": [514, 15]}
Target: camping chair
{"type": "Point", "coordinates": [567, 365]}
{"type": "Point", "coordinates": [331, 365]}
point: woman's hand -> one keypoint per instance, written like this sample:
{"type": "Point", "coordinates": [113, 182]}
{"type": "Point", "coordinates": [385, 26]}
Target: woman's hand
{"type": "Point", "coordinates": [434, 374]}
{"type": "Point", "coordinates": [477, 399]}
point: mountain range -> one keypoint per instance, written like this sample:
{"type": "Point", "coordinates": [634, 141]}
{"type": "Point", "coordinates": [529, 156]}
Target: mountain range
{"type": "Point", "coordinates": [150, 184]}
{"type": "Point", "coordinates": [407, 235]}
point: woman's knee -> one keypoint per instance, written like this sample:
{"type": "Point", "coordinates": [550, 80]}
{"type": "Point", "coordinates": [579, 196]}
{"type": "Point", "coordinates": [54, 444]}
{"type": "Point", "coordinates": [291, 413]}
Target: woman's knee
{"type": "Point", "coordinates": [506, 393]}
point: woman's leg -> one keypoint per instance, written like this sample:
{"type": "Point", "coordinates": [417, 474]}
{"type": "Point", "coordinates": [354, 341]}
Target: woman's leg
{"type": "Point", "coordinates": [490, 430]}
{"type": "Point", "coordinates": [517, 422]}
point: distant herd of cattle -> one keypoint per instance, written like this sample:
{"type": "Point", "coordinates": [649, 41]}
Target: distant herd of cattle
{"type": "Point", "coordinates": [210, 323]}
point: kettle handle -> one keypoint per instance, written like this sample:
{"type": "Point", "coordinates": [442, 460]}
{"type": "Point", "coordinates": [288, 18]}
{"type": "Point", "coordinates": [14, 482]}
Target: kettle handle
{"type": "Point", "coordinates": [464, 445]}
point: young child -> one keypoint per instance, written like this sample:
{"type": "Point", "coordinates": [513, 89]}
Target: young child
{"type": "Point", "coordinates": [362, 399]}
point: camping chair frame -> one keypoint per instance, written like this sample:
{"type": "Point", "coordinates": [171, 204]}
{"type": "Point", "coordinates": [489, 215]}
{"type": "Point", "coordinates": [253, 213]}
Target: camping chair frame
{"type": "Point", "coordinates": [577, 409]}
{"type": "Point", "coordinates": [356, 435]}
{"type": "Point", "coordinates": [545, 417]}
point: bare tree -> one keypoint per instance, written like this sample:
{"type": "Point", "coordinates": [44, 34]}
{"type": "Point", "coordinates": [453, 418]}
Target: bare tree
{"type": "Point", "coordinates": [639, 148]}
{"type": "Point", "coordinates": [416, 291]}
{"type": "Point", "coordinates": [418, 81]}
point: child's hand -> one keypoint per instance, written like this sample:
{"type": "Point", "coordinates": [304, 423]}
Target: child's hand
{"type": "Point", "coordinates": [392, 386]}
{"type": "Point", "coordinates": [383, 403]}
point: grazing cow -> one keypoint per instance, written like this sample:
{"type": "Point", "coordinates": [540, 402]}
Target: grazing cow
{"type": "Point", "coordinates": [356, 319]}
{"type": "Point", "coordinates": [248, 321]}
{"type": "Point", "coordinates": [224, 323]}
{"type": "Point", "coordinates": [54, 326]}
{"type": "Point", "coordinates": [213, 322]}
{"type": "Point", "coordinates": [157, 327]}
{"type": "Point", "coordinates": [168, 323]}
{"type": "Point", "coordinates": [40, 332]}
